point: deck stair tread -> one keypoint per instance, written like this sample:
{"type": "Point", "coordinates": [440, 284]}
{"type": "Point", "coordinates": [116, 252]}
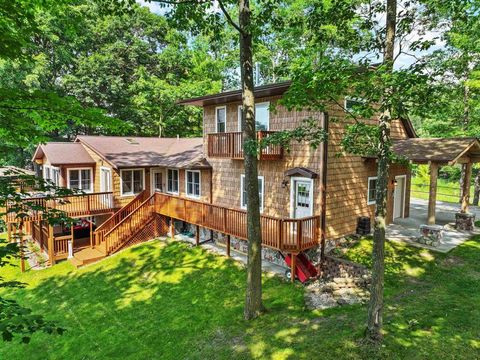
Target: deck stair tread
{"type": "Point", "coordinates": [87, 256]}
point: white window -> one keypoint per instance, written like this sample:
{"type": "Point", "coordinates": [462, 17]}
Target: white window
{"type": "Point", "coordinates": [243, 192]}
{"type": "Point", "coordinates": [80, 179]}
{"type": "Point", "coordinates": [351, 104]}
{"type": "Point", "coordinates": [52, 174]}
{"type": "Point", "coordinates": [372, 190]}
{"type": "Point", "coordinates": [262, 117]}
{"type": "Point", "coordinates": [172, 181]}
{"type": "Point", "coordinates": [192, 183]}
{"type": "Point", "coordinates": [133, 181]}
{"type": "Point", "coordinates": [220, 119]}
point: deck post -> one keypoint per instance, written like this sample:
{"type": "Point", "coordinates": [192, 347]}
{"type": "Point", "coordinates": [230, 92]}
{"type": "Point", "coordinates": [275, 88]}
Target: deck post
{"type": "Point", "coordinates": [197, 236]}
{"type": "Point", "coordinates": [466, 187]}
{"type": "Point", "coordinates": [293, 267]}
{"type": "Point", "coordinates": [432, 196]}
{"type": "Point", "coordinates": [228, 245]}
{"type": "Point", "coordinates": [172, 228]}
{"type": "Point", "coordinates": [91, 234]}
{"type": "Point", "coordinates": [51, 252]}
{"type": "Point", "coordinates": [9, 232]}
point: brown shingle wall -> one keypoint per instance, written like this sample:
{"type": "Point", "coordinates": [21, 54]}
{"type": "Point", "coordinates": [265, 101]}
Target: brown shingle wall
{"type": "Point", "coordinates": [346, 179]}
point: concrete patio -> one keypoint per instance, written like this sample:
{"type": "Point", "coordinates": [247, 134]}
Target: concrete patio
{"type": "Point", "coordinates": [408, 229]}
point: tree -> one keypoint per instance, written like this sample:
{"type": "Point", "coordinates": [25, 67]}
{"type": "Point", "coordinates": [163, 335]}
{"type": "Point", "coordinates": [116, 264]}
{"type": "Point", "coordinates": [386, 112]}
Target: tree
{"type": "Point", "coordinates": [207, 18]}
{"type": "Point", "coordinates": [17, 321]}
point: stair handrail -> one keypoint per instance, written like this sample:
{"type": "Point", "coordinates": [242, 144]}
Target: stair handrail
{"type": "Point", "coordinates": [127, 218]}
{"type": "Point", "coordinates": [126, 208]}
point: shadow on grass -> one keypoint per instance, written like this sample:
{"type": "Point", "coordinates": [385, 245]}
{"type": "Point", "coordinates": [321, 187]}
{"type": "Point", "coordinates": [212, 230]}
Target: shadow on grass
{"type": "Point", "coordinates": [171, 301]}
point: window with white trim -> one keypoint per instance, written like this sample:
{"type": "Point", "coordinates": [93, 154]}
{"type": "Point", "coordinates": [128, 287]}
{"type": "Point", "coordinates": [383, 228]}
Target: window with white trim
{"type": "Point", "coordinates": [80, 179]}
{"type": "Point", "coordinates": [172, 181]}
{"type": "Point", "coordinates": [243, 192]}
{"type": "Point", "coordinates": [372, 190]}
{"type": "Point", "coordinates": [52, 174]}
{"type": "Point", "coordinates": [192, 183]}
{"type": "Point", "coordinates": [352, 104]}
{"type": "Point", "coordinates": [220, 119]}
{"type": "Point", "coordinates": [133, 181]}
{"type": "Point", "coordinates": [262, 117]}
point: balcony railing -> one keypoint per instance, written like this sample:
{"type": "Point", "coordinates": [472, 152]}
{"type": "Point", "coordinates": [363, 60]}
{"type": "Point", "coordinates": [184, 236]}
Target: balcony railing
{"type": "Point", "coordinates": [230, 145]}
{"type": "Point", "coordinates": [284, 234]}
{"type": "Point", "coordinates": [73, 205]}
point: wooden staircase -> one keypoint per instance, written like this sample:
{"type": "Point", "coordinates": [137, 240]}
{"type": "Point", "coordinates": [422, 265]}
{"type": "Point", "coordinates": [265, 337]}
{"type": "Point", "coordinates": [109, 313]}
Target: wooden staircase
{"type": "Point", "coordinates": [118, 231]}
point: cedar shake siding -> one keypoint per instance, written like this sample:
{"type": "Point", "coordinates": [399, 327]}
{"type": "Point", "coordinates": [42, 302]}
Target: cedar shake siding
{"type": "Point", "coordinates": [347, 175]}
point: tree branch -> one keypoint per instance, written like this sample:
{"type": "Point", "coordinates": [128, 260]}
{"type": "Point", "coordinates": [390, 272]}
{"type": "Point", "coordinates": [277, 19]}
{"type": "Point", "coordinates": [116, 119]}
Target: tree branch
{"type": "Point", "coordinates": [229, 19]}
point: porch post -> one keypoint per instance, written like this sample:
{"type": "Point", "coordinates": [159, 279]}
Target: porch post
{"type": "Point", "coordinates": [466, 187]}
{"type": "Point", "coordinates": [432, 195]}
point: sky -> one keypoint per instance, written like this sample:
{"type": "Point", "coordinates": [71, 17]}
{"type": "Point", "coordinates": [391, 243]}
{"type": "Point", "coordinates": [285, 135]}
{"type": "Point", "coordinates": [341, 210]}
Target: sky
{"type": "Point", "coordinates": [402, 61]}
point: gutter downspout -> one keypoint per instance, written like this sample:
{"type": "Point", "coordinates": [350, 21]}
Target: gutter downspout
{"type": "Point", "coordinates": [323, 216]}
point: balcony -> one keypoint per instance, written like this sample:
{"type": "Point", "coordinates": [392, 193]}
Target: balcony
{"type": "Point", "coordinates": [230, 146]}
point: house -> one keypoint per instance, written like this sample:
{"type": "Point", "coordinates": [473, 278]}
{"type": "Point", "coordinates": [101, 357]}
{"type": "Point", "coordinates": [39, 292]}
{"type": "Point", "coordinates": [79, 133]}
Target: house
{"type": "Point", "coordinates": [137, 188]}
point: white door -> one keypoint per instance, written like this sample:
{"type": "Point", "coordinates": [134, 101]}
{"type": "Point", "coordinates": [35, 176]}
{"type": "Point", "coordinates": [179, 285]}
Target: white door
{"type": "Point", "coordinates": [106, 184]}
{"type": "Point", "coordinates": [157, 181]}
{"type": "Point", "coordinates": [105, 180]}
{"type": "Point", "coordinates": [399, 197]}
{"type": "Point", "coordinates": [302, 198]}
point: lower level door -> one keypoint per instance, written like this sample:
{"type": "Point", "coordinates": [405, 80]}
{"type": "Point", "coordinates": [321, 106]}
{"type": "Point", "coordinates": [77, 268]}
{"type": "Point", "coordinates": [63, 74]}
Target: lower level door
{"type": "Point", "coordinates": [302, 198]}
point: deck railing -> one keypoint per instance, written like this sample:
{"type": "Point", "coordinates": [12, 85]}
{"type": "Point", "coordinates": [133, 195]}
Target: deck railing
{"type": "Point", "coordinates": [73, 205]}
{"type": "Point", "coordinates": [290, 235]}
{"type": "Point", "coordinates": [116, 218]}
{"type": "Point", "coordinates": [230, 145]}
{"type": "Point", "coordinates": [117, 236]}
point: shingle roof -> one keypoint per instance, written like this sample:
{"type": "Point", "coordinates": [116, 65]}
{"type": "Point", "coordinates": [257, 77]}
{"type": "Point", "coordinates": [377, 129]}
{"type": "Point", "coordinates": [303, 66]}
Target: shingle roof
{"type": "Point", "coordinates": [63, 153]}
{"type": "Point", "coordinates": [13, 171]}
{"type": "Point", "coordinates": [126, 151]}
{"type": "Point", "coordinates": [441, 150]}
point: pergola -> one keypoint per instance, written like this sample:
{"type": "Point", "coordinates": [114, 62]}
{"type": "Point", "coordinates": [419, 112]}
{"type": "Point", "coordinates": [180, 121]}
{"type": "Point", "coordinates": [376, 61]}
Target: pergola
{"type": "Point", "coordinates": [437, 152]}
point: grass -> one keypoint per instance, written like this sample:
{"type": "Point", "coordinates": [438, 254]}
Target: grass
{"type": "Point", "coordinates": [446, 190]}
{"type": "Point", "coordinates": [170, 301]}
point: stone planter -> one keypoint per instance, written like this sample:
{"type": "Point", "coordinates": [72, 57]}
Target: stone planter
{"type": "Point", "coordinates": [430, 235]}
{"type": "Point", "coordinates": [465, 221]}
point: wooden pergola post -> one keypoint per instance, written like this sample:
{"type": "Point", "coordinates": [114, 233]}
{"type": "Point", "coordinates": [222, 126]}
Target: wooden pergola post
{"type": "Point", "coordinates": [466, 187]}
{"type": "Point", "coordinates": [197, 236]}
{"type": "Point", "coordinates": [432, 195]}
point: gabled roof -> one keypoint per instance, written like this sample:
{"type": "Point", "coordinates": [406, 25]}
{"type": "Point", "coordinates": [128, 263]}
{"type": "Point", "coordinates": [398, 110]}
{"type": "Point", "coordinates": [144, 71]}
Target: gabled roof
{"type": "Point", "coordinates": [236, 95]}
{"type": "Point", "coordinates": [63, 153]}
{"type": "Point", "coordinates": [439, 150]}
{"type": "Point", "coordinates": [128, 151]}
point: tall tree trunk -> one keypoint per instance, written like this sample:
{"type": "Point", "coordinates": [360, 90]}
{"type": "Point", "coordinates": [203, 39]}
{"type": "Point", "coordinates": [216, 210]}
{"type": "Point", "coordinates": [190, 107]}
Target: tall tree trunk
{"type": "Point", "coordinates": [375, 308]}
{"type": "Point", "coordinates": [466, 121]}
{"type": "Point", "coordinates": [253, 299]}
{"type": "Point", "coordinates": [476, 189]}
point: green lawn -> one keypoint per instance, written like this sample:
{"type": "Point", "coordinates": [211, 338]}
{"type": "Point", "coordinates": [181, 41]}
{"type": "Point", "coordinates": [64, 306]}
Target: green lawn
{"type": "Point", "coordinates": [170, 301]}
{"type": "Point", "coordinates": [446, 190]}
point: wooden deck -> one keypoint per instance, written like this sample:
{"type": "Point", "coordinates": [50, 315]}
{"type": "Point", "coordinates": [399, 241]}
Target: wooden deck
{"type": "Point", "coordinates": [230, 145]}
{"type": "Point", "coordinates": [283, 234]}
{"type": "Point", "coordinates": [74, 205]}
